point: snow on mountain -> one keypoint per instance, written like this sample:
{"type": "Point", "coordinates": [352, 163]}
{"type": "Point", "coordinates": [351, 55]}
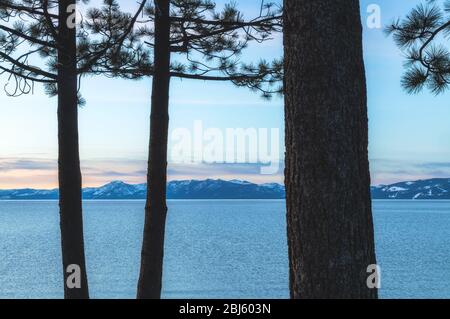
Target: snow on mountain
{"type": "Point", "coordinates": [234, 189]}
{"type": "Point", "coordinates": [436, 188]}
{"type": "Point", "coordinates": [188, 189]}
{"type": "Point", "coordinates": [238, 181]}
{"type": "Point", "coordinates": [28, 194]}
{"type": "Point", "coordinates": [115, 190]}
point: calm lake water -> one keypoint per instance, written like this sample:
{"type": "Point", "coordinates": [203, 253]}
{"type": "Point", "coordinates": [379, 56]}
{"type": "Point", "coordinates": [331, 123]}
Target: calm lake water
{"type": "Point", "coordinates": [214, 249]}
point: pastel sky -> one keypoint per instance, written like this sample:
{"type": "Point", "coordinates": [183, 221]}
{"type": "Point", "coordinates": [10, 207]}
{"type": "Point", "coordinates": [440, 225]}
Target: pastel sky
{"type": "Point", "coordinates": [409, 135]}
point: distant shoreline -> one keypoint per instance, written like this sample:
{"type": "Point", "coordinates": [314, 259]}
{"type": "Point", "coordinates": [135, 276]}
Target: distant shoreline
{"type": "Point", "coordinates": [216, 200]}
{"type": "Point", "coordinates": [217, 189]}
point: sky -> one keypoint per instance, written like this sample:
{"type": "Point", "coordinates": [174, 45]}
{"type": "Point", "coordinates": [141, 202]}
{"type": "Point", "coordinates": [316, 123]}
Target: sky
{"type": "Point", "coordinates": [409, 135]}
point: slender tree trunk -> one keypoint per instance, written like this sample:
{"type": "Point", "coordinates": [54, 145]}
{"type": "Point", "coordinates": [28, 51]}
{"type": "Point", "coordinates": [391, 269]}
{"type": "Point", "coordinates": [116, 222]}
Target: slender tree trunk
{"type": "Point", "coordinates": [71, 219]}
{"type": "Point", "coordinates": [150, 279]}
{"type": "Point", "coordinates": [330, 229]}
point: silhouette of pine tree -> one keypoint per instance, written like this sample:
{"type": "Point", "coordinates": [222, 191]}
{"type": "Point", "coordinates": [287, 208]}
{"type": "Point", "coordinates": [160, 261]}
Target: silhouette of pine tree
{"type": "Point", "coordinates": [423, 36]}
{"type": "Point", "coordinates": [38, 44]}
{"type": "Point", "coordinates": [190, 40]}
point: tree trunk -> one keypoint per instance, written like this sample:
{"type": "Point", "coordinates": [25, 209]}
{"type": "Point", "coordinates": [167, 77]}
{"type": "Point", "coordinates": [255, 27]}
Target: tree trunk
{"type": "Point", "coordinates": [150, 279]}
{"type": "Point", "coordinates": [329, 216]}
{"type": "Point", "coordinates": [71, 219]}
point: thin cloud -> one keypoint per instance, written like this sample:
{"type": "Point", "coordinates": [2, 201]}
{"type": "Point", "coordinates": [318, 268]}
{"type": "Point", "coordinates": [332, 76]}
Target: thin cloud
{"type": "Point", "coordinates": [26, 164]}
{"type": "Point", "coordinates": [388, 171]}
{"type": "Point", "coordinates": [42, 173]}
{"type": "Point", "coordinates": [39, 173]}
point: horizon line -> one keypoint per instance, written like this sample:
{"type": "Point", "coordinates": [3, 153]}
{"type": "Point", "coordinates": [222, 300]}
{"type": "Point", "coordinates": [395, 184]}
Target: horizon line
{"type": "Point", "coordinates": [209, 179]}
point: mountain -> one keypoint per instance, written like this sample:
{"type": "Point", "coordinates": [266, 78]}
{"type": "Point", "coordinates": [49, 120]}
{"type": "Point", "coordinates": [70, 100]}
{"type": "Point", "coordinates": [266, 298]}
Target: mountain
{"type": "Point", "coordinates": [219, 189]}
{"type": "Point", "coordinates": [189, 189]}
{"type": "Point", "coordinates": [234, 189]}
{"type": "Point", "coordinates": [436, 188]}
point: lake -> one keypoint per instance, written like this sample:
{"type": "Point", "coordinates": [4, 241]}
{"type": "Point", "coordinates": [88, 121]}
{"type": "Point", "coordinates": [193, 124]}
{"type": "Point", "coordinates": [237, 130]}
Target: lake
{"type": "Point", "coordinates": [214, 249]}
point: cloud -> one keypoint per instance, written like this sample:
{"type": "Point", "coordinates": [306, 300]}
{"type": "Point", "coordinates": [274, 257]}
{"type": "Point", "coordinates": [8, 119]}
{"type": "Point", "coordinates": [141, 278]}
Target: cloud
{"type": "Point", "coordinates": [388, 171]}
{"type": "Point", "coordinates": [250, 172]}
{"type": "Point", "coordinates": [42, 173]}
{"type": "Point", "coordinates": [226, 168]}
{"type": "Point", "coordinates": [435, 165]}
{"type": "Point", "coordinates": [9, 164]}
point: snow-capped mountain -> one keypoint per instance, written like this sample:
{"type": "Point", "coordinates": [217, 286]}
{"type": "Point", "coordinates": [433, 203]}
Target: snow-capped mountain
{"type": "Point", "coordinates": [189, 189]}
{"type": "Point", "coordinates": [22, 194]}
{"type": "Point", "coordinates": [116, 190]}
{"type": "Point", "coordinates": [436, 188]}
{"type": "Point", "coordinates": [220, 189]}
{"type": "Point", "coordinates": [234, 189]}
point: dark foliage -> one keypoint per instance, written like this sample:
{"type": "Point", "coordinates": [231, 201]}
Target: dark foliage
{"type": "Point", "coordinates": [423, 36]}
{"type": "Point", "coordinates": [207, 43]}
{"type": "Point", "coordinates": [29, 42]}
{"type": "Point", "coordinates": [41, 42]}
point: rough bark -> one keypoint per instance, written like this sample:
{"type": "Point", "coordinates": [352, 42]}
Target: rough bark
{"type": "Point", "coordinates": [150, 280]}
{"type": "Point", "coordinates": [71, 219]}
{"type": "Point", "coordinates": [330, 228]}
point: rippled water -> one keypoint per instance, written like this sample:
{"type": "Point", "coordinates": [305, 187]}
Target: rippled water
{"type": "Point", "coordinates": [214, 249]}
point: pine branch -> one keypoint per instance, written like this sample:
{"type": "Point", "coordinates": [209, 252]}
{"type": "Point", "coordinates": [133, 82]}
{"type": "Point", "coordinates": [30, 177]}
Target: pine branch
{"type": "Point", "coordinates": [27, 37]}
{"type": "Point", "coordinates": [28, 10]}
{"type": "Point", "coordinates": [423, 32]}
{"type": "Point", "coordinates": [26, 77]}
{"type": "Point", "coordinates": [29, 68]}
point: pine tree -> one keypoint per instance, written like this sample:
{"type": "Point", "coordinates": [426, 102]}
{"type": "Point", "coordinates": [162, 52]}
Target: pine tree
{"type": "Point", "coordinates": [40, 43]}
{"type": "Point", "coordinates": [329, 216]}
{"type": "Point", "coordinates": [423, 36]}
{"type": "Point", "coordinates": [191, 39]}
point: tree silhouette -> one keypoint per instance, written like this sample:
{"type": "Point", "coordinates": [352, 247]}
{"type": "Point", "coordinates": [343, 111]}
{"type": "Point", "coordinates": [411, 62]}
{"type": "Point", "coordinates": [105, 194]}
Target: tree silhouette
{"type": "Point", "coordinates": [191, 39]}
{"type": "Point", "coordinates": [423, 36]}
{"type": "Point", "coordinates": [329, 216]}
{"type": "Point", "coordinates": [40, 43]}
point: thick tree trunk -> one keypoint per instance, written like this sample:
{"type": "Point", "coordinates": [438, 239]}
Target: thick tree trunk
{"type": "Point", "coordinates": [150, 279]}
{"type": "Point", "coordinates": [330, 229]}
{"type": "Point", "coordinates": [71, 219]}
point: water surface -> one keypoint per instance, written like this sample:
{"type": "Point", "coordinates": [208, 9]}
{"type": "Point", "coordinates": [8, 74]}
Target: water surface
{"type": "Point", "coordinates": [214, 249]}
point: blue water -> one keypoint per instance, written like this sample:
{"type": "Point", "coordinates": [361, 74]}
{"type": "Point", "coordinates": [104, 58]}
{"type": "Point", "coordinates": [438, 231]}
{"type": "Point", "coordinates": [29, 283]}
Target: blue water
{"type": "Point", "coordinates": [214, 249]}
